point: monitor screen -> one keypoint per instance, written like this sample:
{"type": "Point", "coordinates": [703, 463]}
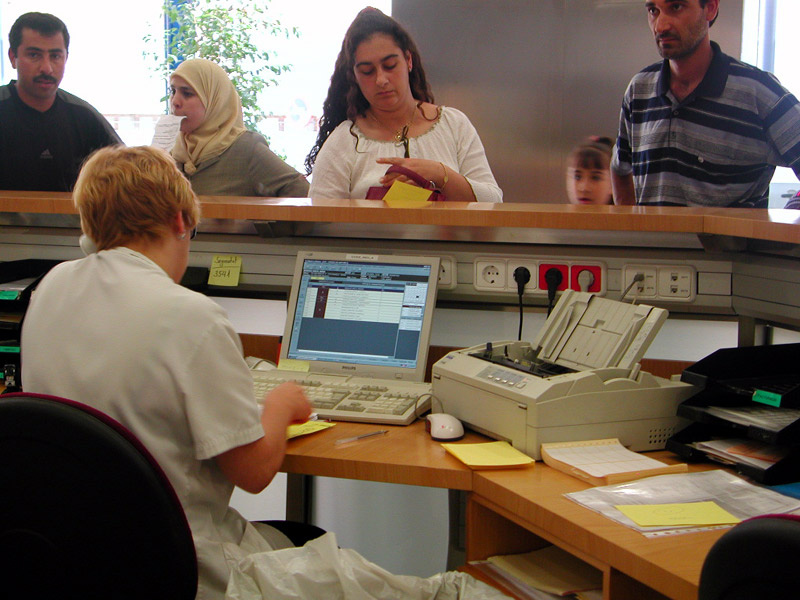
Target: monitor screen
{"type": "Point", "coordinates": [362, 314]}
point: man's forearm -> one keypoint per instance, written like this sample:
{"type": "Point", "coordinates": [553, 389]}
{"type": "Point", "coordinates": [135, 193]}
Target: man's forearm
{"type": "Point", "coordinates": [624, 192]}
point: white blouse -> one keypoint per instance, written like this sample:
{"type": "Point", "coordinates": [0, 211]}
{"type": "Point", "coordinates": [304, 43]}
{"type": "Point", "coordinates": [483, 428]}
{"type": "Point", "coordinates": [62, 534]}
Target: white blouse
{"type": "Point", "coordinates": [346, 167]}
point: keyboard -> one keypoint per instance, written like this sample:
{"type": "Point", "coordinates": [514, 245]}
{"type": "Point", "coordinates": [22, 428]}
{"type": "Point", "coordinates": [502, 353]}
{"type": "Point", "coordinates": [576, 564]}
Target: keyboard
{"type": "Point", "coordinates": [358, 399]}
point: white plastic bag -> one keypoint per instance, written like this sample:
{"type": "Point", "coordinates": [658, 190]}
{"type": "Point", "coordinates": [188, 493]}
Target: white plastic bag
{"type": "Point", "coordinates": [323, 571]}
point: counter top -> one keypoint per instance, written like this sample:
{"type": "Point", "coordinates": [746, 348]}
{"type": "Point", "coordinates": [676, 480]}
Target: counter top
{"type": "Point", "coordinates": [777, 225]}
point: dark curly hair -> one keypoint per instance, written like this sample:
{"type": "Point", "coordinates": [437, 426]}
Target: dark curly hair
{"type": "Point", "coordinates": [345, 100]}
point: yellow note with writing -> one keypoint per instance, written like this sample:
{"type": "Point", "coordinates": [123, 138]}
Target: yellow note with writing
{"type": "Point", "coordinates": [292, 364]}
{"type": "Point", "coordinates": [225, 270]}
{"type": "Point", "coordinates": [405, 195]}
{"type": "Point", "coordinates": [682, 513]}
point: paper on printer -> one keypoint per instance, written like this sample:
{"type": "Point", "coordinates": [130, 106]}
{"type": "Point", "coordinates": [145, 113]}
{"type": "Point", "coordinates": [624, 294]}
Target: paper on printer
{"type": "Point", "coordinates": [578, 380]}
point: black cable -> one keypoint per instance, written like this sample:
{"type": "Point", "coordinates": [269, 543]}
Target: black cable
{"type": "Point", "coordinates": [522, 276]}
{"type": "Point", "coordinates": [553, 277]}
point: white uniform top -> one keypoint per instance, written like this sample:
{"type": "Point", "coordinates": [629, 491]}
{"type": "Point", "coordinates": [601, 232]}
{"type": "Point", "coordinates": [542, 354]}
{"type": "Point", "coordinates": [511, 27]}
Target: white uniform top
{"type": "Point", "coordinates": [113, 331]}
{"type": "Point", "coordinates": [347, 169]}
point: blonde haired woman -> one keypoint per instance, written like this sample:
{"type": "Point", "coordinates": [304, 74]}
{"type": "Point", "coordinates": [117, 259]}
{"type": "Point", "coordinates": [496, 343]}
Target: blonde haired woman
{"type": "Point", "coordinates": [116, 331]}
{"type": "Point", "coordinates": [215, 151]}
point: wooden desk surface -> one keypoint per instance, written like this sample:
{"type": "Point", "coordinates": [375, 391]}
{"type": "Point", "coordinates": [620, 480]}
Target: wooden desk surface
{"type": "Point", "coordinates": [530, 498]}
{"type": "Point", "coordinates": [406, 455]}
{"type": "Point", "coordinates": [535, 501]}
{"type": "Point", "coordinates": [776, 225]}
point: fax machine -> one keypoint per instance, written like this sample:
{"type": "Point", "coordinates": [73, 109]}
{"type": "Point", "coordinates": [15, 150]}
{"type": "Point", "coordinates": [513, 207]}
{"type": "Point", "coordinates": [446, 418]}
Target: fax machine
{"type": "Point", "coordinates": [579, 379]}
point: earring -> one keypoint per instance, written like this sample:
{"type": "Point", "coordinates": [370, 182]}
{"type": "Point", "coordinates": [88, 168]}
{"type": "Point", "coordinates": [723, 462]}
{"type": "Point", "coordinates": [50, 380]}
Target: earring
{"type": "Point", "coordinates": [182, 236]}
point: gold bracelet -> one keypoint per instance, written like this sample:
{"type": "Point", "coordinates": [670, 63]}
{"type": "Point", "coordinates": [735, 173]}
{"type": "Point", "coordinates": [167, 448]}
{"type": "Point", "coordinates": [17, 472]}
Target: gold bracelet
{"type": "Point", "coordinates": [446, 178]}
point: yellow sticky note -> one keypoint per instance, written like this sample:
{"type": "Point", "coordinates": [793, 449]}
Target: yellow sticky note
{"type": "Point", "coordinates": [684, 513]}
{"type": "Point", "coordinates": [489, 455]}
{"type": "Point", "coordinates": [292, 364]}
{"type": "Point", "coordinates": [405, 195]}
{"type": "Point", "coordinates": [225, 270]}
{"type": "Point", "coordinates": [305, 428]}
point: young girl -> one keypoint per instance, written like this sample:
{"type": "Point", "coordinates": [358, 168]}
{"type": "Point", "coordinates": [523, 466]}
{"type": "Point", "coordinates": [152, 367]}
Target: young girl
{"type": "Point", "coordinates": [588, 176]}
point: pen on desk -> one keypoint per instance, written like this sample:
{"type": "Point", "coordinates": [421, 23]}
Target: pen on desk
{"type": "Point", "coordinates": [356, 438]}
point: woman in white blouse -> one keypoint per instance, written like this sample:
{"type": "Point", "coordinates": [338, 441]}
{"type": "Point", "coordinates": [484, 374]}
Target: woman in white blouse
{"type": "Point", "coordinates": [379, 112]}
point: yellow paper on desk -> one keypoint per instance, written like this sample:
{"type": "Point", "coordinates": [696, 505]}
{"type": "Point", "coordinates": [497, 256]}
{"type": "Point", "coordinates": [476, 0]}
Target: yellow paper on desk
{"type": "Point", "coordinates": [489, 455]}
{"type": "Point", "coordinates": [405, 195]}
{"type": "Point", "coordinates": [308, 427]}
{"type": "Point", "coordinates": [683, 513]}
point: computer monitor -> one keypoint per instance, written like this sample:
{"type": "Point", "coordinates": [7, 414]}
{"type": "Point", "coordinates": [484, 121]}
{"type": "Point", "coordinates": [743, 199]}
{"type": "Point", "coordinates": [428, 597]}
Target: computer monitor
{"type": "Point", "coordinates": [361, 314]}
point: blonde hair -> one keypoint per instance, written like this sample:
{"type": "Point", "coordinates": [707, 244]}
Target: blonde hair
{"type": "Point", "coordinates": [123, 194]}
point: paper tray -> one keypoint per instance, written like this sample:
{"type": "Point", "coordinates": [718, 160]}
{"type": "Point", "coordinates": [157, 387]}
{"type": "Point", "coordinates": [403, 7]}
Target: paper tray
{"type": "Point", "coordinates": [786, 470]}
{"type": "Point", "coordinates": [698, 409]}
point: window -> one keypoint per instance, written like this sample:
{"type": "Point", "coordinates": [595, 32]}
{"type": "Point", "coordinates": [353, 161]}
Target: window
{"type": "Point", "coordinates": [106, 66]}
{"type": "Point", "coordinates": [769, 41]}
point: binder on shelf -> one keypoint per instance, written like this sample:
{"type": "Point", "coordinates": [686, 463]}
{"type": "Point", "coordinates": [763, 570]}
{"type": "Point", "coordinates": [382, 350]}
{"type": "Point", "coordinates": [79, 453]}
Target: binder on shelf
{"type": "Point", "coordinates": [18, 279]}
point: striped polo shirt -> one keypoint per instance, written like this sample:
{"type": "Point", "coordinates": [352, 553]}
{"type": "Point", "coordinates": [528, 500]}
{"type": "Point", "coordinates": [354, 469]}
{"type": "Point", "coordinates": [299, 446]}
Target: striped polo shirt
{"type": "Point", "coordinates": [718, 147]}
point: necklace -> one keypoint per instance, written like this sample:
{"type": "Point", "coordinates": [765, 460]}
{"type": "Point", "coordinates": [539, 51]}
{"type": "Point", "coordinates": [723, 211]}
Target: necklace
{"type": "Point", "coordinates": [400, 135]}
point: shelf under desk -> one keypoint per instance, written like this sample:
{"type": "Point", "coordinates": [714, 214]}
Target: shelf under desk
{"type": "Point", "coordinates": [508, 514]}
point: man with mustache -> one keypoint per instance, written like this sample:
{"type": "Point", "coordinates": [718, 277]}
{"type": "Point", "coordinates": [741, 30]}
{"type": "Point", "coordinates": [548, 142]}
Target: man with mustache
{"type": "Point", "coordinates": [45, 132]}
{"type": "Point", "coordinates": [701, 128]}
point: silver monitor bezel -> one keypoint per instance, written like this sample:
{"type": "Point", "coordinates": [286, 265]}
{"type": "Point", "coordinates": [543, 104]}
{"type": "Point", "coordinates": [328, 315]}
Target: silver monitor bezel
{"type": "Point", "coordinates": [360, 370]}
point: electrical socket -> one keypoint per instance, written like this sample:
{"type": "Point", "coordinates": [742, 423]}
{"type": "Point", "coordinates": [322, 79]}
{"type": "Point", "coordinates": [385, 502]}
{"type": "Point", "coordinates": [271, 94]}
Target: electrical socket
{"type": "Point", "coordinates": [490, 274]}
{"type": "Point", "coordinates": [561, 267]}
{"type": "Point", "coordinates": [532, 267]}
{"type": "Point", "coordinates": [593, 274]}
{"type": "Point", "coordinates": [447, 273]}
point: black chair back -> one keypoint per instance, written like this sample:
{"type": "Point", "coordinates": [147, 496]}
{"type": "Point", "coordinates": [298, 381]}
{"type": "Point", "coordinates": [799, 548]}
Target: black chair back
{"type": "Point", "coordinates": [85, 510]}
{"type": "Point", "coordinates": [756, 559]}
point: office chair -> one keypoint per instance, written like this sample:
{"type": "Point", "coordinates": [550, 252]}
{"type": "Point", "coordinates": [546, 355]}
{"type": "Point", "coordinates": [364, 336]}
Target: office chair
{"type": "Point", "coordinates": [85, 510]}
{"type": "Point", "coordinates": [755, 559]}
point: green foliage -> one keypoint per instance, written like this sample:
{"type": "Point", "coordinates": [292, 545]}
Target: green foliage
{"type": "Point", "coordinates": [232, 33]}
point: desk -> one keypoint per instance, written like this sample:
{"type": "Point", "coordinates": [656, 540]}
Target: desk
{"type": "Point", "coordinates": [511, 512]}
{"type": "Point", "coordinates": [514, 510]}
{"type": "Point", "coordinates": [404, 455]}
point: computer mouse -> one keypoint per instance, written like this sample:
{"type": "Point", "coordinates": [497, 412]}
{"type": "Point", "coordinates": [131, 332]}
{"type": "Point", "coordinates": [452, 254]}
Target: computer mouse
{"type": "Point", "coordinates": [444, 427]}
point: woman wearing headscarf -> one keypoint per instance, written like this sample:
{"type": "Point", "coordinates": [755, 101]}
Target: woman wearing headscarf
{"type": "Point", "coordinates": [215, 151]}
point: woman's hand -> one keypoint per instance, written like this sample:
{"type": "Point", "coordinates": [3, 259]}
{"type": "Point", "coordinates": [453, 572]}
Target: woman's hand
{"type": "Point", "coordinates": [452, 184]}
{"type": "Point", "coordinates": [430, 170]}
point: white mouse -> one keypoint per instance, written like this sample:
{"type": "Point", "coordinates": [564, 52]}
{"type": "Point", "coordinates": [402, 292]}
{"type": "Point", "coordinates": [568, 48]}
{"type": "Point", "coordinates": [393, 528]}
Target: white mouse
{"type": "Point", "coordinates": [444, 427]}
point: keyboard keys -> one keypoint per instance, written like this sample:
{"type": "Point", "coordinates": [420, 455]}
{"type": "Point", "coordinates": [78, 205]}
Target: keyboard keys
{"type": "Point", "coordinates": [366, 402]}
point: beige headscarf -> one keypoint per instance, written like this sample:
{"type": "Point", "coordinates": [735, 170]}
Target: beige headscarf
{"type": "Point", "coordinates": [223, 122]}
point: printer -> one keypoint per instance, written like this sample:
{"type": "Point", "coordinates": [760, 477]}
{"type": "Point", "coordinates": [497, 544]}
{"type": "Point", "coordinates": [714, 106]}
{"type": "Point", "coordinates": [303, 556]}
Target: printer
{"type": "Point", "coordinates": [580, 379]}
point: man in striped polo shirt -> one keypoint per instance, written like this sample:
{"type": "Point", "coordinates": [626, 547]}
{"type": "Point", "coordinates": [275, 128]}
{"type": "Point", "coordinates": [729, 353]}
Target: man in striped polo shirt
{"type": "Point", "coordinates": [701, 128]}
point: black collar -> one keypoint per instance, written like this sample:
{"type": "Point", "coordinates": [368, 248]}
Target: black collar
{"type": "Point", "coordinates": [713, 83]}
{"type": "Point", "coordinates": [21, 103]}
